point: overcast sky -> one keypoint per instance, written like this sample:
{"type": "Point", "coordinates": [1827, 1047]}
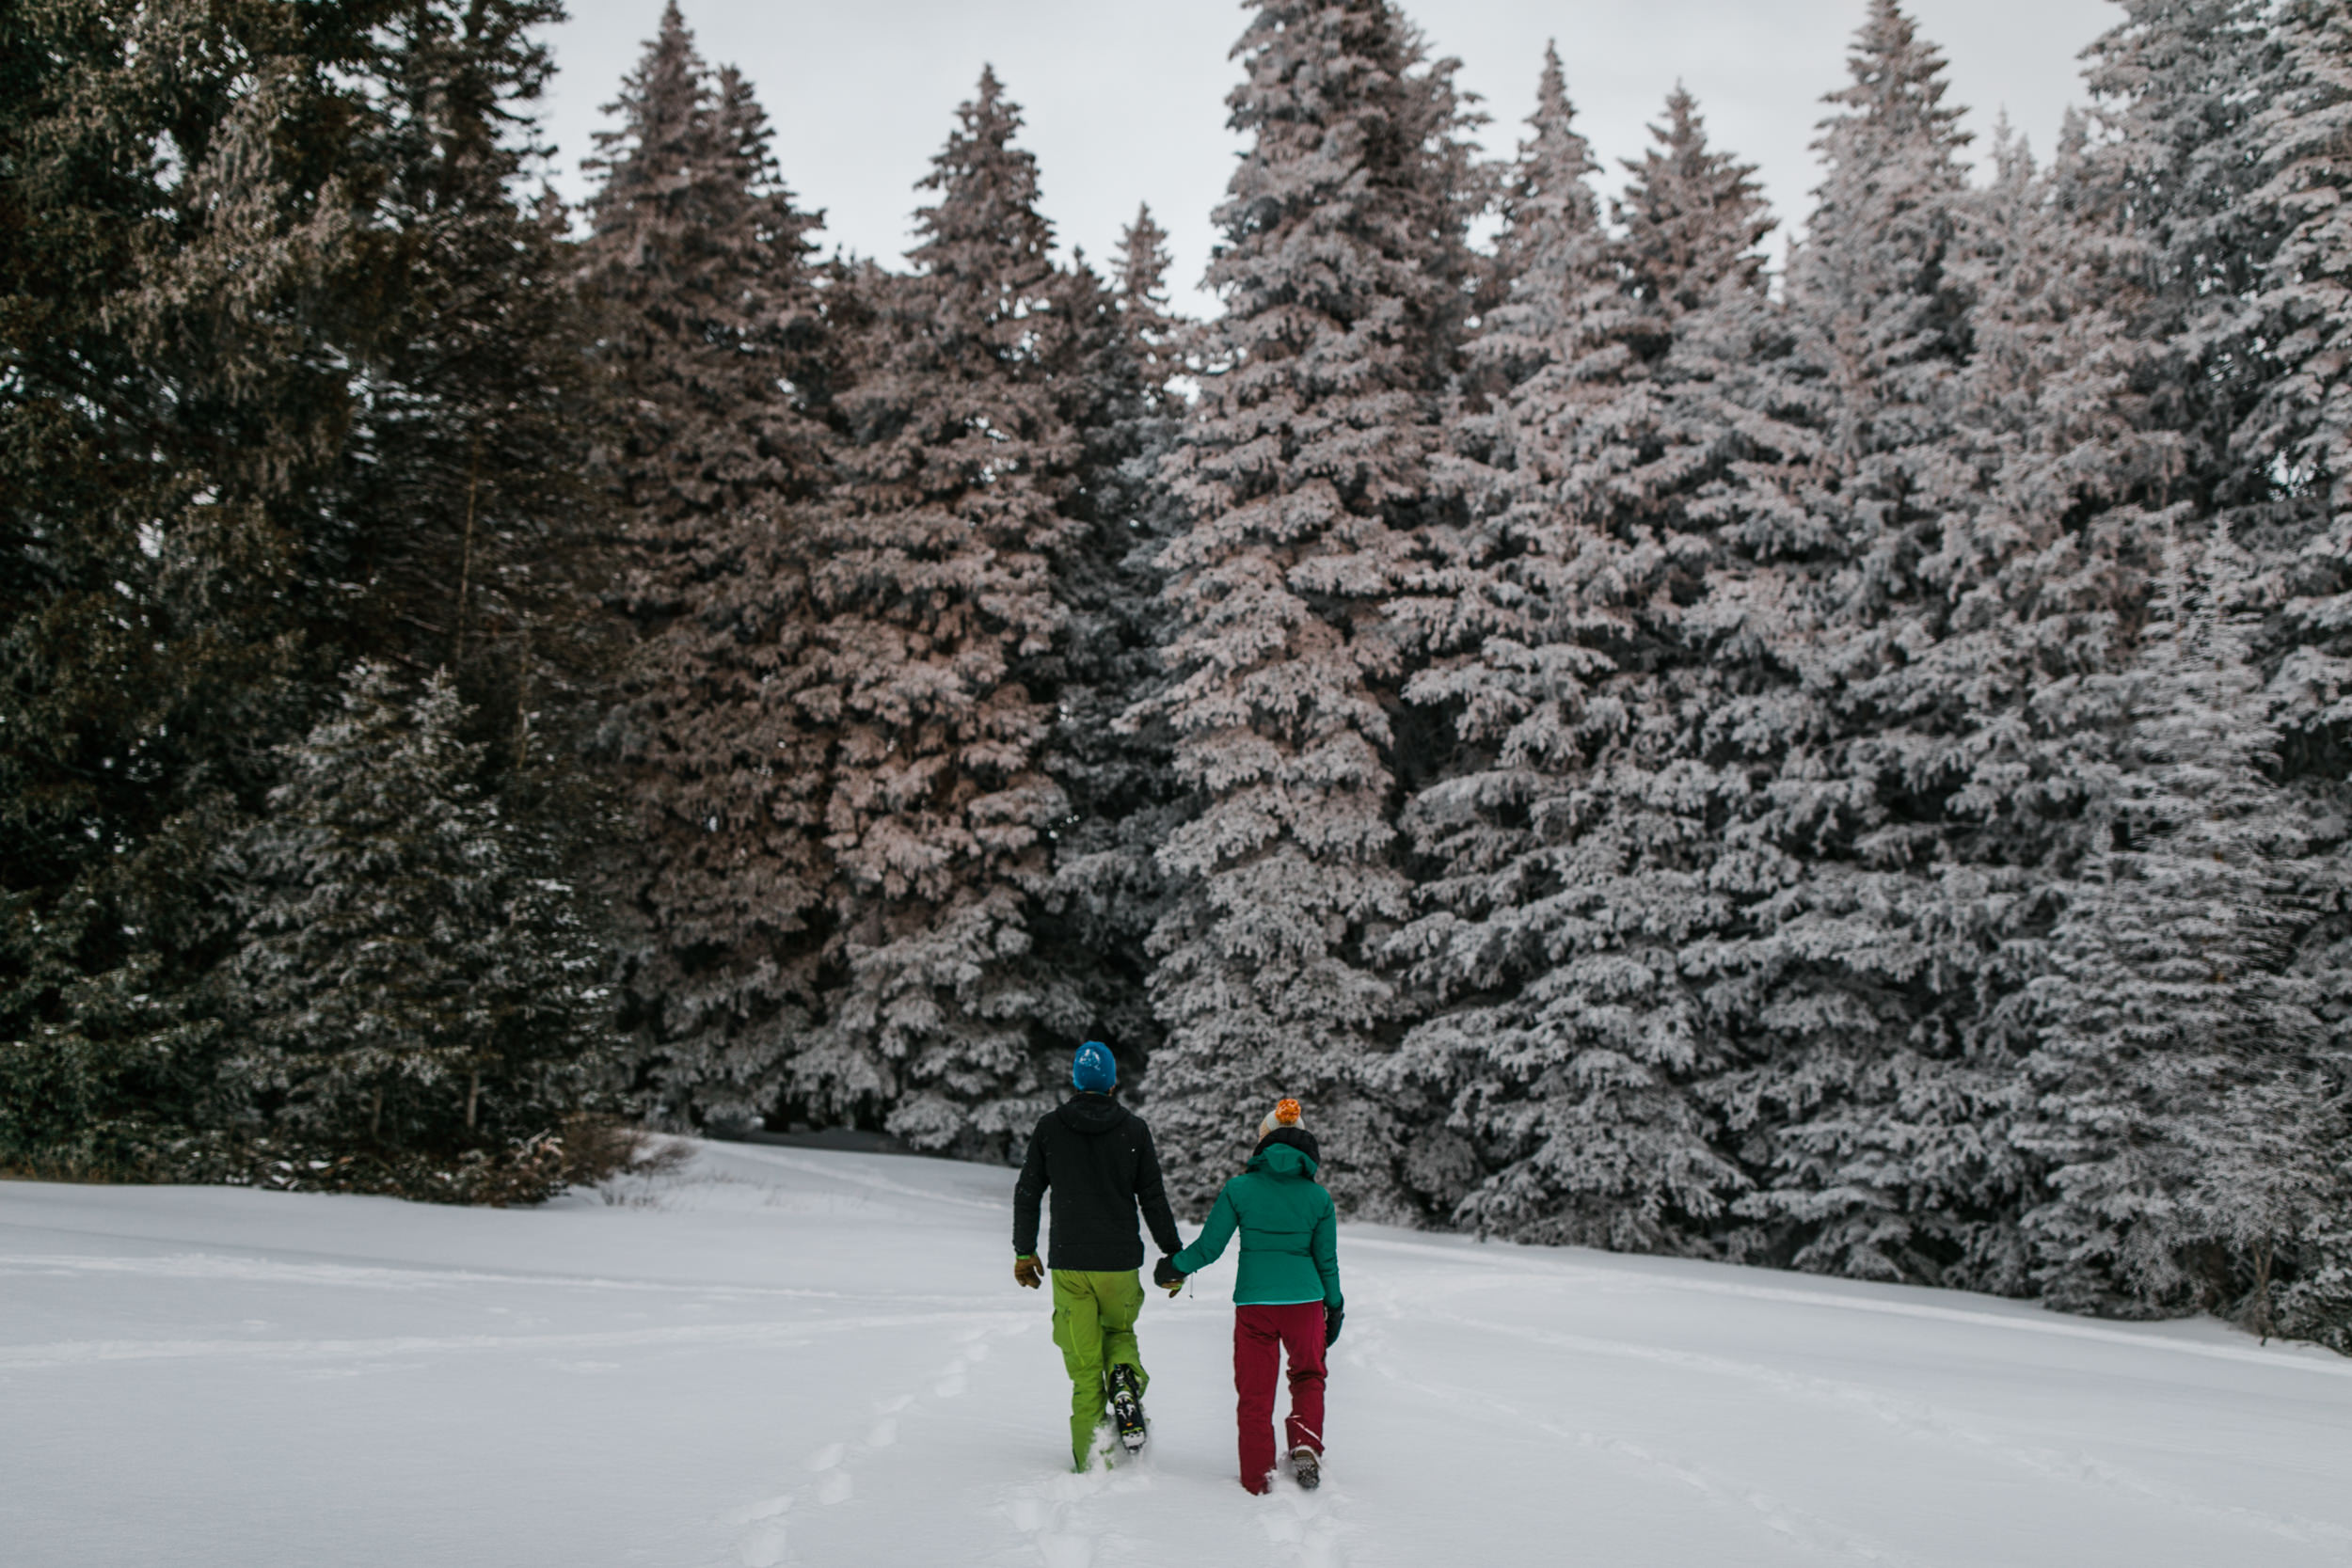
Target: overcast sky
{"type": "Point", "coordinates": [1125, 100]}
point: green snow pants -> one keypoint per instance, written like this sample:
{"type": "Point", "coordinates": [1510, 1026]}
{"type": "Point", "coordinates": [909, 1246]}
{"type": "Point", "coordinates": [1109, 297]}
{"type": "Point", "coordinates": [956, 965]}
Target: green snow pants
{"type": "Point", "coordinates": [1094, 1323]}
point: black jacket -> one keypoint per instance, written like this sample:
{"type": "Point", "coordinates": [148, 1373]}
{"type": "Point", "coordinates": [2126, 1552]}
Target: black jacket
{"type": "Point", "coordinates": [1097, 1157]}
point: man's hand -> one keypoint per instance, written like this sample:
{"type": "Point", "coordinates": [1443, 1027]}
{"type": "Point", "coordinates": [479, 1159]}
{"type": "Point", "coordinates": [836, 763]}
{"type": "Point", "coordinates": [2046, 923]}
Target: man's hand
{"type": "Point", "coordinates": [1165, 1274]}
{"type": "Point", "coordinates": [1028, 1271]}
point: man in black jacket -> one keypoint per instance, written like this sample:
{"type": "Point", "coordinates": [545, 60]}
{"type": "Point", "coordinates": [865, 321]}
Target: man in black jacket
{"type": "Point", "coordinates": [1097, 1157]}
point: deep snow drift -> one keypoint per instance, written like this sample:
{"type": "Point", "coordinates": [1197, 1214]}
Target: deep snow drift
{"type": "Point", "coordinates": [781, 1356]}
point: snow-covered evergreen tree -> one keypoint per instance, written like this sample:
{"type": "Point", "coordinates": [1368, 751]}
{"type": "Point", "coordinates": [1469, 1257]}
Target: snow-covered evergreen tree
{"type": "Point", "coordinates": [2215, 193]}
{"type": "Point", "coordinates": [1867, 973]}
{"type": "Point", "coordinates": [1588, 628]}
{"type": "Point", "coordinates": [2300, 433]}
{"type": "Point", "coordinates": [1344, 276]}
{"type": "Point", "coordinates": [2303, 423]}
{"type": "Point", "coordinates": [410, 976]}
{"type": "Point", "coordinates": [2183, 1074]}
{"type": "Point", "coordinates": [1694, 218]}
{"type": "Point", "coordinates": [938, 620]}
{"type": "Point", "coordinates": [696, 261]}
{"type": "Point", "coordinates": [2178, 88]}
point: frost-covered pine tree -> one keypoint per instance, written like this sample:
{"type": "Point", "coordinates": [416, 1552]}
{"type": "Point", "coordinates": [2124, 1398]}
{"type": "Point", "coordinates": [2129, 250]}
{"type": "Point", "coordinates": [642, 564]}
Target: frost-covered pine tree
{"type": "Point", "coordinates": [2300, 433]}
{"type": "Point", "coordinates": [1582, 647]}
{"type": "Point", "coordinates": [2303, 423]}
{"type": "Point", "coordinates": [2178, 88]}
{"type": "Point", "coordinates": [2184, 1153]}
{"type": "Point", "coordinates": [1344, 277]}
{"type": "Point", "coordinates": [1863, 977]}
{"type": "Point", "coordinates": [938, 615]}
{"type": "Point", "coordinates": [709, 330]}
{"type": "Point", "coordinates": [2186, 1077]}
{"type": "Point", "coordinates": [1694, 218]}
{"type": "Point", "coordinates": [409, 977]}
{"type": "Point", "coordinates": [1986, 705]}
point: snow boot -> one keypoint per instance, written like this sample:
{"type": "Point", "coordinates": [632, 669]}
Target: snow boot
{"type": "Point", "coordinates": [1306, 1465]}
{"type": "Point", "coordinates": [1127, 1408]}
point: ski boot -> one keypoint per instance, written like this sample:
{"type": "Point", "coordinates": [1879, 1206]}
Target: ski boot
{"type": "Point", "coordinates": [1127, 1408]}
{"type": "Point", "coordinates": [1306, 1465]}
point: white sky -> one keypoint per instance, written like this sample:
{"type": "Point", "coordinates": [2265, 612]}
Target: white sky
{"type": "Point", "coordinates": [1125, 100]}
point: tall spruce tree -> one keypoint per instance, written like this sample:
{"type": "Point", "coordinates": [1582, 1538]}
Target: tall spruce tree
{"type": "Point", "coordinates": [463, 533]}
{"type": "Point", "coordinates": [2178, 88]}
{"type": "Point", "coordinates": [1122, 797]}
{"type": "Point", "coordinates": [708, 331]}
{"type": "Point", "coordinates": [1344, 278]}
{"type": "Point", "coordinates": [155, 469]}
{"type": "Point", "coordinates": [1866, 976]}
{"type": "Point", "coordinates": [1987, 706]}
{"type": "Point", "coordinates": [2182, 1042]}
{"type": "Point", "coordinates": [2300, 433]}
{"type": "Point", "coordinates": [2304, 428]}
{"type": "Point", "coordinates": [2214, 183]}
{"type": "Point", "coordinates": [1594, 609]}
{"type": "Point", "coordinates": [938, 622]}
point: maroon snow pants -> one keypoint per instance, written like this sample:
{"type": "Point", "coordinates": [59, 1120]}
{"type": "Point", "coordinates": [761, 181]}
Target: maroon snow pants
{"type": "Point", "coordinates": [1262, 1336]}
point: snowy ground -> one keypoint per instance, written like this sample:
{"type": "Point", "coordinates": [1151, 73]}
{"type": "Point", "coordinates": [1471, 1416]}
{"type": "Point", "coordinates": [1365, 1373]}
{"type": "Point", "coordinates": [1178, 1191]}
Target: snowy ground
{"type": "Point", "coordinates": [790, 1356]}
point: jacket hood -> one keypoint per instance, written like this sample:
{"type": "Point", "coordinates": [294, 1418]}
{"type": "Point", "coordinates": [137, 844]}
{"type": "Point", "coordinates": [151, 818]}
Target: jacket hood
{"type": "Point", "coordinates": [1298, 1137]}
{"type": "Point", "coordinates": [1092, 1114]}
{"type": "Point", "coordinates": [1284, 1159]}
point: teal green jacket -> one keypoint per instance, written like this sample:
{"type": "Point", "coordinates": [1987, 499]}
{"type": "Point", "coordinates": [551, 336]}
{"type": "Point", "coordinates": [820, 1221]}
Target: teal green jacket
{"type": "Point", "coordinates": [1290, 1233]}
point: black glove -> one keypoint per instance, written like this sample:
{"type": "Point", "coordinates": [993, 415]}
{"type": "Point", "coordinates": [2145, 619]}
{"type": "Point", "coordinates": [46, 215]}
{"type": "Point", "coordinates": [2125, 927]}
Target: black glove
{"type": "Point", "coordinates": [1333, 1314]}
{"type": "Point", "coordinates": [1165, 1274]}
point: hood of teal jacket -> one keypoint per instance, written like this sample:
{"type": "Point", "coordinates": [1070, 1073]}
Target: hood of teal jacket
{"type": "Point", "coordinates": [1282, 1160]}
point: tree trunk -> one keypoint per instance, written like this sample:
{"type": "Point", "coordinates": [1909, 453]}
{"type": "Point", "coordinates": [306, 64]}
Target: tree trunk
{"type": "Point", "coordinates": [2262, 1289]}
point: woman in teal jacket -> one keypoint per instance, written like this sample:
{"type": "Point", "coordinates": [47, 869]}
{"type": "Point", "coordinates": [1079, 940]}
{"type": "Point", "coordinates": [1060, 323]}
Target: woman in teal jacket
{"type": "Point", "coordinates": [1286, 1300]}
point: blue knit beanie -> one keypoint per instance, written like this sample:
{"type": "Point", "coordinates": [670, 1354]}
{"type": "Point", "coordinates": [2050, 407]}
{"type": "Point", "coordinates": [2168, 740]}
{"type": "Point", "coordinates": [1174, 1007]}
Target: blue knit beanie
{"type": "Point", "coordinates": [1092, 1069]}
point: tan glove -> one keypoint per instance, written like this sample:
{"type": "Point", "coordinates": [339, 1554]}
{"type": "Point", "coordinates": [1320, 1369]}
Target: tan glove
{"type": "Point", "coordinates": [1029, 1271]}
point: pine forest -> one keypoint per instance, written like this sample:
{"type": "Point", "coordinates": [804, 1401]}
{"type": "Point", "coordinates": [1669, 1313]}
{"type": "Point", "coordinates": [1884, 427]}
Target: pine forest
{"type": "Point", "coordinates": [1819, 746]}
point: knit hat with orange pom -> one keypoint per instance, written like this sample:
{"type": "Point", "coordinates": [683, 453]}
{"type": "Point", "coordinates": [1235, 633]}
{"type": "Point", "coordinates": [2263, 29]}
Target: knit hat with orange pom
{"type": "Point", "coordinates": [1286, 1113]}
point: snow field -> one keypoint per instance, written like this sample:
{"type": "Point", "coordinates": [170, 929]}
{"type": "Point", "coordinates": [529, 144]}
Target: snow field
{"type": "Point", "coordinates": [783, 1356]}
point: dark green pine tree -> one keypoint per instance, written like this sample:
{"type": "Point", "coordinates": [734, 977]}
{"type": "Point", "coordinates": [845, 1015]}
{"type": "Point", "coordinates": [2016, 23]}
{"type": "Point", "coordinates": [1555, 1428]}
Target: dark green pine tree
{"type": "Point", "coordinates": [409, 977]}
{"type": "Point", "coordinates": [244, 244]}
{"type": "Point", "coordinates": [464, 528]}
{"type": "Point", "coordinates": [708, 331]}
{"type": "Point", "coordinates": [936, 650]}
{"type": "Point", "coordinates": [1121, 796]}
{"type": "Point", "coordinates": [1305, 470]}
{"type": "Point", "coordinates": [164, 414]}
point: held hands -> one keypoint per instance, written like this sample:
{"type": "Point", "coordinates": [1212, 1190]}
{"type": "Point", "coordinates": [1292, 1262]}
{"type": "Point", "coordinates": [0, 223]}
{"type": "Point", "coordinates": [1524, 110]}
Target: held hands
{"type": "Point", "coordinates": [1165, 1274]}
{"type": "Point", "coordinates": [1029, 1271]}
